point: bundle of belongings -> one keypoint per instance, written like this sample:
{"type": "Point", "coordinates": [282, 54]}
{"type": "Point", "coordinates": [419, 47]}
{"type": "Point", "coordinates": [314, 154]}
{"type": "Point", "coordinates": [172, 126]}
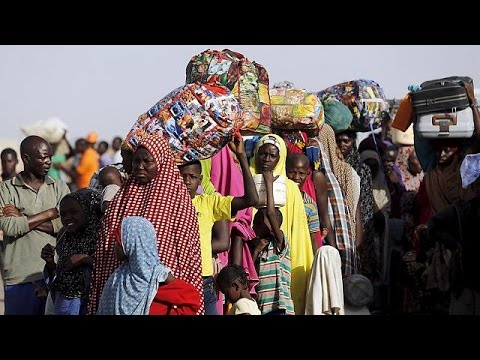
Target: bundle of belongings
{"type": "Point", "coordinates": [248, 82]}
{"type": "Point", "coordinates": [198, 120]}
{"type": "Point", "coordinates": [295, 109]}
{"type": "Point", "coordinates": [365, 99]}
{"type": "Point", "coordinates": [53, 129]}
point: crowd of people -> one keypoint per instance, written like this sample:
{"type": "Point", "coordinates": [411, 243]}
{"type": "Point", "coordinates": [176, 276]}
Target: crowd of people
{"type": "Point", "coordinates": [96, 229]}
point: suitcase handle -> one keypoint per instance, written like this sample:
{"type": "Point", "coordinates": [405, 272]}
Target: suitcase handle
{"type": "Point", "coordinates": [437, 118]}
{"type": "Point", "coordinates": [444, 121]}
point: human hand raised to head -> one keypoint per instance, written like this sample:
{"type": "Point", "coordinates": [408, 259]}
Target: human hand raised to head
{"type": "Point", "coordinates": [11, 210]}
{"type": "Point", "coordinates": [236, 144]}
{"type": "Point", "coordinates": [470, 92]}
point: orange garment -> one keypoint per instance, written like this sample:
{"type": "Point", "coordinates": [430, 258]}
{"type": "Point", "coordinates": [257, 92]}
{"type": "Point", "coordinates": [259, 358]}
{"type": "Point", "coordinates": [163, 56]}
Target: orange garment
{"type": "Point", "coordinates": [88, 164]}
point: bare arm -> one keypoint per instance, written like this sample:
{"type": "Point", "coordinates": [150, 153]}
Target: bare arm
{"type": "Point", "coordinates": [43, 217]}
{"type": "Point", "coordinates": [320, 183]}
{"type": "Point", "coordinates": [313, 238]}
{"type": "Point", "coordinates": [236, 249]}
{"type": "Point", "coordinates": [475, 147]}
{"type": "Point", "coordinates": [220, 237]}
{"type": "Point", "coordinates": [271, 214]}
{"type": "Point", "coordinates": [250, 197]}
{"type": "Point", "coordinates": [40, 221]}
{"type": "Point", "coordinates": [46, 227]}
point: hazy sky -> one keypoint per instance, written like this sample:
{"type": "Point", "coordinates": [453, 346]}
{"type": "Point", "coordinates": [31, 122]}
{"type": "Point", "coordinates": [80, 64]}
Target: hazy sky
{"type": "Point", "coordinates": [105, 87]}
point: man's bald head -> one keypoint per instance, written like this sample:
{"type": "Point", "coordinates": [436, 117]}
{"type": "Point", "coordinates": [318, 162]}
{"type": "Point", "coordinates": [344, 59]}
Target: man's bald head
{"type": "Point", "coordinates": [31, 144]}
{"type": "Point", "coordinates": [297, 159]}
{"type": "Point", "coordinates": [36, 154]}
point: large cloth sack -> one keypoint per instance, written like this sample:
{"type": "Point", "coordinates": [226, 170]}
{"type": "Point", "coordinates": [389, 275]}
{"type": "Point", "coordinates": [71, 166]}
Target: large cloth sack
{"type": "Point", "coordinates": [52, 130]}
{"type": "Point", "coordinates": [295, 109]}
{"type": "Point", "coordinates": [365, 99]}
{"type": "Point", "coordinates": [248, 82]}
{"type": "Point", "coordinates": [441, 95]}
{"type": "Point", "coordinates": [197, 119]}
{"type": "Point", "coordinates": [337, 115]}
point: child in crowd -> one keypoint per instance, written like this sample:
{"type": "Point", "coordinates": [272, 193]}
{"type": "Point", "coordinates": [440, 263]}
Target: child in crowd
{"type": "Point", "coordinates": [298, 170]}
{"type": "Point", "coordinates": [69, 278]}
{"type": "Point", "coordinates": [213, 208]}
{"type": "Point", "coordinates": [232, 281]}
{"type": "Point", "coordinates": [142, 284]}
{"type": "Point", "coordinates": [110, 180]}
{"type": "Point", "coordinates": [271, 253]}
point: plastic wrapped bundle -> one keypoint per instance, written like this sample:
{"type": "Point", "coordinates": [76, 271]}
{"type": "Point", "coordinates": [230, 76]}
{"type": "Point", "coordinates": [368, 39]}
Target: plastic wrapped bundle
{"type": "Point", "coordinates": [197, 119]}
{"type": "Point", "coordinates": [248, 82]}
{"type": "Point", "coordinates": [365, 99]}
{"type": "Point", "coordinates": [296, 109]}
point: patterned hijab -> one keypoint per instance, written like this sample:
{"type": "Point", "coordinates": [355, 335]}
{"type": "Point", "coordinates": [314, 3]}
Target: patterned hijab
{"type": "Point", "coordinates": [71, 283]}
{"type": "Point", "coordinates": [133, 285]}
{"type": "Point", "coordinates": [166, 203]}
{"type": "Point", "coordinates": [411, 182]}
{"type": "Point", "coordinates": [341, 170]}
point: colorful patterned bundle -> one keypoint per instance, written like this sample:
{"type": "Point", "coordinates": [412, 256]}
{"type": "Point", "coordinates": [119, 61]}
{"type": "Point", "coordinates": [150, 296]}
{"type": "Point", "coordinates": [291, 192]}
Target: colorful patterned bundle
{"type": "Point", "coordinates": [296, 109]}
{"type": "Point", "coordinates": [197, 119]}
{"type": "Point", "coordinates": [248, 82]}
{"type": "Point", "coordinates": [364, 98]}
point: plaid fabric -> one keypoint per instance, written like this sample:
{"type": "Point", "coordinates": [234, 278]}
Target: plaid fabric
{"type": "Point", "coordinates": [340, 218]}
{"type": "Point", "coordinates": [165, 202]}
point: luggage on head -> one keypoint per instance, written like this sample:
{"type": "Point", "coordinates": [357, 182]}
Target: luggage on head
{"type": "Point", "coordinates": [295, 109]}
{"type": "Point", "coordinates": [248, 82]}
{"type": "Point", "coordinates": [442, 108]}
{"type": "Point", "coordinates": [198, 120]}
{"type": "Point", "coordinates": [365, 99]}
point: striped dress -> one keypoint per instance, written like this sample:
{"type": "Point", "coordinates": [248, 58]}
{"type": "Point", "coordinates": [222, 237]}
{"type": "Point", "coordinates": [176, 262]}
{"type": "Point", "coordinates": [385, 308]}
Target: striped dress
{"type": "Point", "coordinates": [274, 277]}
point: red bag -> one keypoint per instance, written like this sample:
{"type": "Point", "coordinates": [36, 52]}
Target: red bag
{"type": "Point", "coordinates": [176, 298]}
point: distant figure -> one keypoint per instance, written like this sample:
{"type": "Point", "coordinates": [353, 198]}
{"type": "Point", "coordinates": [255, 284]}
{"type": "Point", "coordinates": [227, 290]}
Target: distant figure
{"type": "Point", "coordinates": [110, 180]}
{"type": "Point", "coordinates": [117, 156]}
{"type": "Point", "coordinates": [105, 158]}
{"type": "Point", "coordinates": [9, 163]}
{"type": "Point", "coordinates": [89, 163]}
{"type": "Point", "coordinates": [29, 204]}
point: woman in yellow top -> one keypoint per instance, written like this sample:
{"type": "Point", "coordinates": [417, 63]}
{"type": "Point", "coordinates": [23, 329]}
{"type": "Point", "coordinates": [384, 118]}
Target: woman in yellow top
{"type": "Point", "coordinates": [270, 155]}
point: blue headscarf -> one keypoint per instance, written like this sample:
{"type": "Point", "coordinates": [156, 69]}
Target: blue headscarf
{"type": "Point", "coordinates": [131, 289]}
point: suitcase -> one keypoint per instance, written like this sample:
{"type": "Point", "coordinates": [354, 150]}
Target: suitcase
{"type": "Point", "coordinates": [197, 120]}
{"type": "Point", "coordinates": [455, 124]}
{"type": "Point", "coordinates": [441, 95]}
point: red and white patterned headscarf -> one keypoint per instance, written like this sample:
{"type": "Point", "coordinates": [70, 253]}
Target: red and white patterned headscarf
{"type": "Point", "coordinates": [166, 203]}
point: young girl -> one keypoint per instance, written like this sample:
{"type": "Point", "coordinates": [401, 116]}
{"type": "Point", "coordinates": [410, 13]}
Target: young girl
{"type": "Point", "coordinates": [232, 281]}
{"type": "Point", "coordinates": [69, 278]}
{"type": "Point", "coordinates": [142, 285]}
{"type": "Point", "coordinates": [271, 253]}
